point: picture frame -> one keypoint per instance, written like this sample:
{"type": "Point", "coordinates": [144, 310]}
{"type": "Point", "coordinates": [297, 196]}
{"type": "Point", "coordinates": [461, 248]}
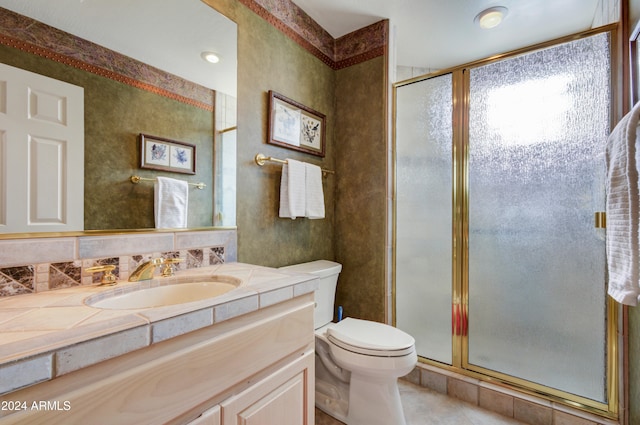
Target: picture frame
{"type": "Point", "coordinates": [295, 126]}
{"type": "Point", "coordinates": [159, 153]}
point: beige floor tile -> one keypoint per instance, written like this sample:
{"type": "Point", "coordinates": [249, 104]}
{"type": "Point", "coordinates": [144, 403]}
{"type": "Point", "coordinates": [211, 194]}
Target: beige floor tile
{"type": "Point", "coordinates": [426, 407]}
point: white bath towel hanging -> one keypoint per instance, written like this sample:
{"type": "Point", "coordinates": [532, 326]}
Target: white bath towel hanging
{"type": "Point", "coordinates": [171, 203]}
{"type": "Point", "coordinates": [315, 194]}
{"type": "Point", "coordinates": [622, 210]}
{"type": "Point", "coordinates": [293, 190]}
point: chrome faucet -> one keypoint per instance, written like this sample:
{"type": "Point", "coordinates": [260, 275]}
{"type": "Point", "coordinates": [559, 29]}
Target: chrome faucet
{"type": "Point", "coordinates": [145, 270]}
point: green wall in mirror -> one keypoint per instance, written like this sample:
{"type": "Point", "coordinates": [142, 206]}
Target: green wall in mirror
{"type": "Point", "coordinates": [115, 114]}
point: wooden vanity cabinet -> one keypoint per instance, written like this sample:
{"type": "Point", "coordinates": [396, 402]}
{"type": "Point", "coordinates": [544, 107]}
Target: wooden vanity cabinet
{"type": "Point", "coordinates": [279, 399]}
{"type": "Point", "coordinates": [255, 369]}
{"type": "Point", "coordinates": [209, 417]}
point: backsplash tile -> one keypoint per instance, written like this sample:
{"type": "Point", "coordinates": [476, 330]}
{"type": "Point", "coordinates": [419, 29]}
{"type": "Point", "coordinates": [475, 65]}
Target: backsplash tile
{"type": "Point", "coordinates": [216, 255]}
{"type": "Point", "coordinates": [16, 280]}
{"type": "Point", "coordinates": [44, 271]}
{"type": "Point", "coordinates": [65, 275]}
{"type": "Point", "coordinates": [195, 258]}
{"type": "Point", "coordinates": [17, 252]}
{"type": "Point", "coordinates": [131, 244]}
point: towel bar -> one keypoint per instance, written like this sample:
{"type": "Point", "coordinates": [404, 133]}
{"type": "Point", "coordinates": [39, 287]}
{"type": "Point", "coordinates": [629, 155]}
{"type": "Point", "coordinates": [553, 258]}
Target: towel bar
{"type": "Point", "coordinates": [261, 159]}
{"type": "Point", "coordinates": [138, 179]}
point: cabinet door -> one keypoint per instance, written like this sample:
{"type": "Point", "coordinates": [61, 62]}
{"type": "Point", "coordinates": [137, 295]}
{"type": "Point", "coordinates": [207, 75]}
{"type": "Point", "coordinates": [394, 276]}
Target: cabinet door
{"type": "Point", "coordinates": [208, 417]}
{"type": "Point", "coordinates": [284, 398]}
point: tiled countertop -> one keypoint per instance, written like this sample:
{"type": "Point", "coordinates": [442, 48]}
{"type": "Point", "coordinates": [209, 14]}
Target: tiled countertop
{"type": "Point", "coordinates": [52, 333]}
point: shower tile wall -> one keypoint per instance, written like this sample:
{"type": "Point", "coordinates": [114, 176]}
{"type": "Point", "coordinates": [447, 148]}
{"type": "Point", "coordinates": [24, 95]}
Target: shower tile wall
{"type": "Point", "coordinates": [520, 406]}
{"type": "Point", "coordinates": [26, 268]}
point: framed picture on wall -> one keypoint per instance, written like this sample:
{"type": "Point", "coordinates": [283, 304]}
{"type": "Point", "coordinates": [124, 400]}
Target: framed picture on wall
{"type": "Point", "coordinates": [295, 126]}
{"type": "Point", "coordinates": [158, 153]}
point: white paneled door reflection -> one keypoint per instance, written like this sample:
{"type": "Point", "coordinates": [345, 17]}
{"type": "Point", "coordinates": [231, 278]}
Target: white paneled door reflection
{"type": "Point", "coordinates": [41, 153]}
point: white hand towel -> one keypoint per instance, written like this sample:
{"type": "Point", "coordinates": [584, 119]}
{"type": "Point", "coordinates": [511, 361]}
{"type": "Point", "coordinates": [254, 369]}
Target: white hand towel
{"type": "Point", "coordinates": [315, 194]}
{"type": "Point", "coordinates": [622, 210]}
{"type": "Point", "coordinates": [171, 203]}
{"type": "Point", "coordinates": [292, 190]}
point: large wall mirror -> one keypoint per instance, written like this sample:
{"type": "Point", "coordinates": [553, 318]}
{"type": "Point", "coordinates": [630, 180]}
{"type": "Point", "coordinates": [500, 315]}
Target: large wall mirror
{"type": "Point", "coordinates": [188, 100]}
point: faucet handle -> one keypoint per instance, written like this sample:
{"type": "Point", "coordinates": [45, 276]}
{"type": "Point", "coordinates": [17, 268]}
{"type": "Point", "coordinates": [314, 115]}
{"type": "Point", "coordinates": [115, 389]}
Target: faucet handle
{"type": "Point", "coordinates": [167, 270]}
{"type": "Point", "coordinates": [108, 278]}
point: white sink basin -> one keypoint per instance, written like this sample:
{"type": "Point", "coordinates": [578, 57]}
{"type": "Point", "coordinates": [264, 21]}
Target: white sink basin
{"type": "Point", "coordinates": [161, 296]}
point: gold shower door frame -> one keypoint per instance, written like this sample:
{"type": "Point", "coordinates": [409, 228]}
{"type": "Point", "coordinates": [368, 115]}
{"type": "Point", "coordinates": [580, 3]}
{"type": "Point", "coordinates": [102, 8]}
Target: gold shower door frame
{"type": "Point", "coordinates": [460, 235]}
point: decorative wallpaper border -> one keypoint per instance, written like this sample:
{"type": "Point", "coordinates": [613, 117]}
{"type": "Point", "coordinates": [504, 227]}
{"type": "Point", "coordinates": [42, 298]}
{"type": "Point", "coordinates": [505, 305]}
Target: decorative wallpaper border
{"type": "Point", "coordinates": [362, 45]}
{"type": "Point", "coordinates": [351, 49]}
{"type": "Point", "coordinates": [297, 25]}
{"type": "Point", "coordinates": [37, 38]}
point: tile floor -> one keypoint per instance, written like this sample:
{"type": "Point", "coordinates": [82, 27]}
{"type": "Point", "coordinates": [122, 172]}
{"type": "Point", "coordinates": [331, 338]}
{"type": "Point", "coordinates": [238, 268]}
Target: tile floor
{"type": "Point", "coordinates": [426, 407]}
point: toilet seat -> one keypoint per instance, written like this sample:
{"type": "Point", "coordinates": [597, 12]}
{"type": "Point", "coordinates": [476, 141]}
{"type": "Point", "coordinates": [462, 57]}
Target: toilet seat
{"type": "Point", "coordinates": [370, 338]}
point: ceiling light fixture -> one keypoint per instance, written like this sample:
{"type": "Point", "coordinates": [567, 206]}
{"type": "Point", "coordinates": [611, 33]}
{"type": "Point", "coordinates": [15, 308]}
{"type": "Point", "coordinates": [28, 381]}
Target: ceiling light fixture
{"type": "Point", "coordinates": [491, 17]}
{"type": "Point", "coordinates": [210, 57]}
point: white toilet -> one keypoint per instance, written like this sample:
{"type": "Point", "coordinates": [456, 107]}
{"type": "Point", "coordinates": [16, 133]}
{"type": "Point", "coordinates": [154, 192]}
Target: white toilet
{"type": "Point", "coordinates": [358, 362]}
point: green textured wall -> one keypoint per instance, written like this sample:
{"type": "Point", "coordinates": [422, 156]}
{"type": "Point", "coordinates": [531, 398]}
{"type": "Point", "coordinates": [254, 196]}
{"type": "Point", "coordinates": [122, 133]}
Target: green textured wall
{"type": "Point", "coordinates": [113, 155]}
{"type": "Point", "coordinates": [354, 101]}
{"type": "Point", "coordinates": [115, 114]}
{"type": "Point", "coordinates": [361, 149]}
{"type": "Point", "coordinates": [269, 60]}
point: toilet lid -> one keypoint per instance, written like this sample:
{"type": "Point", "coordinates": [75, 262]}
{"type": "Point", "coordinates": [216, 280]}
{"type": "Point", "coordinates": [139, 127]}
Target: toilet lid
{"type": "Point", "coordinates": [366, 337]}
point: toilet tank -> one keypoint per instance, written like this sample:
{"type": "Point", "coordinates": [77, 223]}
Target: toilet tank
{"type": "Point", "coordinates": [327, 273]}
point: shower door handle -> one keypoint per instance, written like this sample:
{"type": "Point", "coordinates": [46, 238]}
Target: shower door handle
{"type": "Point", "coordinates": [601, 219]}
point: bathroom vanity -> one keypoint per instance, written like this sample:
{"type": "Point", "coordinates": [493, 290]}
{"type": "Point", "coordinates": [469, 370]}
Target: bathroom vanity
{"type": "Point", "coordinates": [242, 357]}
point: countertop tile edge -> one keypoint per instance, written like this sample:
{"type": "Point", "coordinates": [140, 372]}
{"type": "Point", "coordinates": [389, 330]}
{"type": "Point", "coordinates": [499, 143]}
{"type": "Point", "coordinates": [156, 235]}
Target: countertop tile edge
{"type": "Point", "coordinates": [26, 372]}
{"type": "Point", "coordinates": [87, 353]}
{"type": "Point", "coordinates": [18, 350]}
{"type": "Point", "coordinates": [64, 351]}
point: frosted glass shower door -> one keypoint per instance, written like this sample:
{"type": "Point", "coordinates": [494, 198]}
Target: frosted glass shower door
{"type": "Point", "coordinates": [537, 128]}
{"type": "Point", "coordinates": [423, 253]}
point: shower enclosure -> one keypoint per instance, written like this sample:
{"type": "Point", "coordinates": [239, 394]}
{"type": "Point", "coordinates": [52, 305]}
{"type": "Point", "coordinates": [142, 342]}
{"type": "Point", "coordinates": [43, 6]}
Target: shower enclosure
{"type": "Point", "coordinates": [499, 270]}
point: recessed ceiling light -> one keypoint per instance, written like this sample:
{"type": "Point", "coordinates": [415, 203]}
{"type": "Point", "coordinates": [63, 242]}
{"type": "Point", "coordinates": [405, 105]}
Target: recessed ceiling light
{"type": "Point", "coordinates": [210, 57]}
{"type": "Point", "coordinates": [491, 17]}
